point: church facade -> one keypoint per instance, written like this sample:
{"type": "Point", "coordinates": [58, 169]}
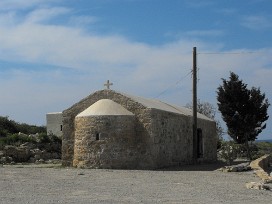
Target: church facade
{"type": "Point", "coordinates": [109, 129]}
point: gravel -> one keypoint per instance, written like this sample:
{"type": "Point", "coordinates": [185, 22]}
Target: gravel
{"type": "Point", "coordinates": [198, 184]}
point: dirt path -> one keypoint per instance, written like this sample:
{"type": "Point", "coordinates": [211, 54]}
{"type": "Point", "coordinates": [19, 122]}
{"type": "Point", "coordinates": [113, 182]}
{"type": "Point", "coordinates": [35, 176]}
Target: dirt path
{"type": "Point", "coordinates": [68, 185]}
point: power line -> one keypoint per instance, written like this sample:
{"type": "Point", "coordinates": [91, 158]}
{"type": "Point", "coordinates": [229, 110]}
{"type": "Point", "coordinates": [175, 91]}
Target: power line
{"type": "Point", "coordinates": [163, 92]}
{"type": "Point", "coordinates": [228, 53]}
{"type": "Point", "coordinates": [207, 53]}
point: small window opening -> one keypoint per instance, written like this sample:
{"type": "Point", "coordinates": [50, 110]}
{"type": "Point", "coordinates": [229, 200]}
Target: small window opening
{"type": "Point", "coordinates": [60, 127]}
{"type": "Point", "coordinates": [97, 136]}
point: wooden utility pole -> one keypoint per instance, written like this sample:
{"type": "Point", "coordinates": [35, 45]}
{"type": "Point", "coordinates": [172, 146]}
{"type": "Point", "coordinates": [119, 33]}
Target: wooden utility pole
{"type": "Point", "coordinates": [194, 105]}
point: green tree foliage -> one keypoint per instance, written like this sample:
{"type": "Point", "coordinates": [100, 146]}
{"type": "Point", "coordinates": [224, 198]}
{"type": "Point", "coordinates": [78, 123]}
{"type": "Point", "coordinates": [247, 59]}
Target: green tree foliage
{"type": "Point", "coordinates": [244, 110]}
{"type": "Point", "coordinates": [9, 127]}
{"type": "Point", "coordinates": [264, 148]}
{"type": "Point", "coordinates": [31, 129]}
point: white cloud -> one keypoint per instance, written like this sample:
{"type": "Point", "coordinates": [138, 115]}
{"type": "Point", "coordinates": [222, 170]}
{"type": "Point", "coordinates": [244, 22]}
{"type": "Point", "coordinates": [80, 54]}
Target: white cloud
{"type": "Point", "coordinates": [82, 20]}
{"type": "Point", "coordinates": [256, 22]}
{"type": "Point", "coordinates": [44, 14]}
{"type": "Point", "coordinates": [72, 47]}
{"type": "Point", "coordinates": [23, 4]}
{"type": "Point", "coordinates": [88, 59]}
{"type": "Point", "coordinates": [8, 19]}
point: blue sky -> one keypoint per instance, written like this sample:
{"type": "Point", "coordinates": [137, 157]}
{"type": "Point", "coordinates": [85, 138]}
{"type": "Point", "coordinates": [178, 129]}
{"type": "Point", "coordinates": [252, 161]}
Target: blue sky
{"type": "Point", "coordinates": [55, 52]}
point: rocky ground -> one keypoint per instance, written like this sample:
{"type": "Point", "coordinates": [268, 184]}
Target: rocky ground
{"type": "Point", "coordinates": [28, 152]}
{"type": "Point", "coordinates": [188, 184]}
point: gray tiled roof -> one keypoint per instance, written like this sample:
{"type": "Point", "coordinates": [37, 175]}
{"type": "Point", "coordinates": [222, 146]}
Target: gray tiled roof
{"type": "Point", "coordinates": [157, 104]}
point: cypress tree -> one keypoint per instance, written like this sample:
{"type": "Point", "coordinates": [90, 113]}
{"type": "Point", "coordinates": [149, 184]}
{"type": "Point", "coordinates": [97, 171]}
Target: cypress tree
{"type": "Point", "coordinates": [244, 110]}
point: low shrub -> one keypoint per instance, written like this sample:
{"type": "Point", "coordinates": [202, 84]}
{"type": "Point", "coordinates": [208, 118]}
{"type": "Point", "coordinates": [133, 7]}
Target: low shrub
{"type": "Point", "coordinates": [54, 138]}
{"type": "Point", "coordinates": [262, 149]}
{"type": "Point", "coordinates": [228, 151]}
{"type": "Point", "coordinates": [16, 139]}
{"type": "Point", "coordinates": [43, 138]}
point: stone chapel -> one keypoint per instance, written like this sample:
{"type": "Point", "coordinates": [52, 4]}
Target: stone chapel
{"type": "Point", "coordinates": [109, 129]}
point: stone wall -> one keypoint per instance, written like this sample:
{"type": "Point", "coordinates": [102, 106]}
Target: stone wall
{"type": "Point", "coordinates": [172, 138]}
{"type": "Point", "coordinates": [209, 140]}
{"type": "Point", "coordinates": [173, 141]}
{"type": "Point", "coordinates": [105, 142]}
{"type": "Point", "coordinates": [141, 115]}
{"type": "Point", "coordinates": [162, 138]}
{"type": "Point", "coordinates": [261, 165]}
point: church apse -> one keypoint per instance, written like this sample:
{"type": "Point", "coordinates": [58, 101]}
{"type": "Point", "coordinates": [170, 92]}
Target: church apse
{"type": "Point", "coordinates": [105, 137]}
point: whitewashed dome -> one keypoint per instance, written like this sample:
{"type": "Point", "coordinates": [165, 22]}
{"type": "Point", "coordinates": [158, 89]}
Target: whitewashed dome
{"type": "Point", "coordinates": [104, 107]}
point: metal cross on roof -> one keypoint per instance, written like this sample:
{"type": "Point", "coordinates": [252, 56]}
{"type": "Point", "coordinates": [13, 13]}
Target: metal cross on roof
{"type": "Point", "coordinates": [108, 84]}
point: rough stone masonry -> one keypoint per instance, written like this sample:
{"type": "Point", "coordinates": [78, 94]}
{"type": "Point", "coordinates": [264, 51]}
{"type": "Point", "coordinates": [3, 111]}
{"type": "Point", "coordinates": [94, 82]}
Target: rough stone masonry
{"type": "Point", "coordinates": [108, 129]}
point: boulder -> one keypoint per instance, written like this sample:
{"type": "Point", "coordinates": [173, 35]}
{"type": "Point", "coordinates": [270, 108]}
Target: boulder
{"type": "Point", "coordinates": [40, 161]}
{"type": "Point", "coordinates": [28, 145]}
{"type": "Point", "coordinates": [37, 157]}
{"type": "Point", "coordinates": [236, 168]}
{"type": "Point", "coordinates": [3, 160]}
{"type": "Point", "coordinates": [257, 186]}
{"type": "Point", "coordinates": [30, 152]}
{"type": "Point", "coordinates": [18, 154]}
{"type": "Point", "coordinates": [32, 160]}
{"type": "Point", "coordinates": [10, 150]}
{"type": "Point", "coordinates": [23, 154]}
{"type": "Point", "coordinates": [36, 151]}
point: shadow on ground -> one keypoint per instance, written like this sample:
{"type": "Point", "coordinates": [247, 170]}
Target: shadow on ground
{"type": "Point", "coordinates": [200, 167]}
